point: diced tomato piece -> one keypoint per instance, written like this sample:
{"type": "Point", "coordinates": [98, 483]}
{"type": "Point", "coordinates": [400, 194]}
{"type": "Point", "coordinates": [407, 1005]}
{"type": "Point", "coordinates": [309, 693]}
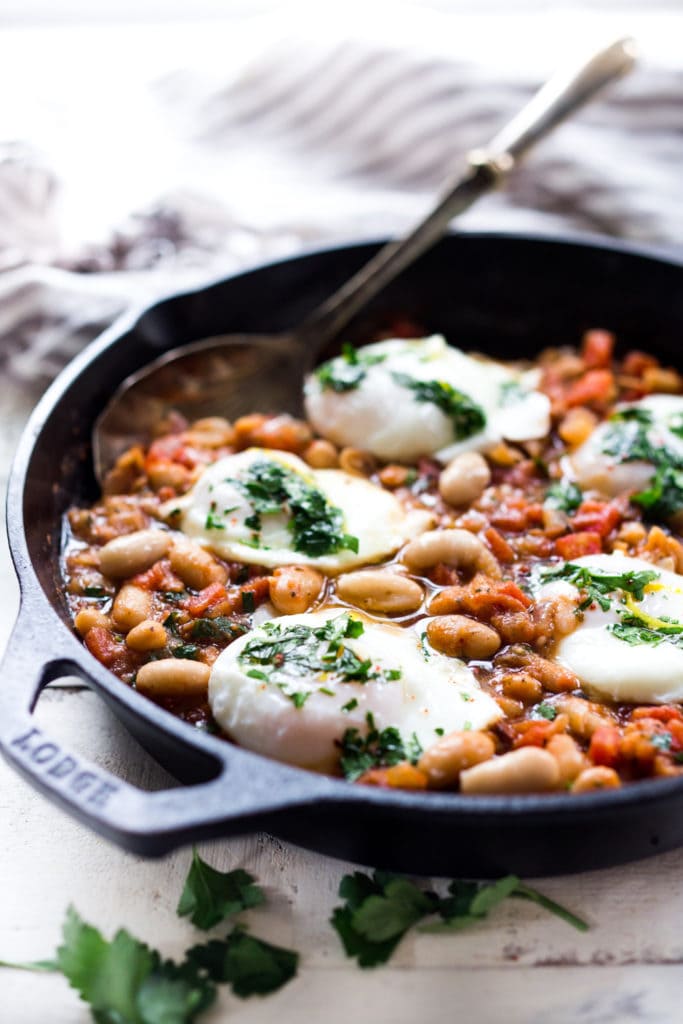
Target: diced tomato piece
{"type": "Point", "coordinates": [676, 729]}
{"type": "Point", "coordinates": [636, 363]}
{"type": "Point", "coordinates": [485, 598]}
{"type": "Point", "coordinates": [109, 651]}
{"type": "Point", "coordinates": [574, 545]}
{"type": "Point", "coordinates": [170, 449]}
{"type": "Point", "coordinates": [197, 604]}
{"type": "Point", "coordinates": [533, 734]}
{"type": "Point", "coordinates": [664, 713]}
{"type": "Point", "coordinates": [597, 348]}
{"type": "Point", "coordinates": [259, 587]}
{"type": "Point", "coordinates": [604, 745]}
{"type": "Point", "coordinates": [597, 517]}
{"type": "Point", "coordinates": [444, 575]}
{"type": "Point", "coordinates": [594, 386]}
{"type": "Point", "coordinates": [499, 545]}
{"type": "Point", "coordinates": [507, 518]}
{"type": "Point", "coordinates": [160, 576]}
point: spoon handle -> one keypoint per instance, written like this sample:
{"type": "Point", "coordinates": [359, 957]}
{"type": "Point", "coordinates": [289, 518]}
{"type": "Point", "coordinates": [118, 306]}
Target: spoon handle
{"type": "Point", "coordinates": [486, 168]}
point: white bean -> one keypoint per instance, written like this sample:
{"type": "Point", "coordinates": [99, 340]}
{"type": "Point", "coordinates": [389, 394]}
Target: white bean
{"type": "Point", "coordinates": [195, 566]}
{"type": "Point", "coordinates": [131, 605]}
{"type": "Point", "coordinates": [148, 635]}
{"type": "Point", "coordinates": [294, 588]}
{"type": "Point", "coordinates": [133, 553]}
{"type": "Point", "coordinates": [173, 677]}
{"type": "Point", "coordinates": [464, 479]}
{"type": "Point", "coordinates": [380, 590]}
{"type": "Point", "coordinates": [527, 770]}
{"type": "Point", "coordinates": [458, 548]}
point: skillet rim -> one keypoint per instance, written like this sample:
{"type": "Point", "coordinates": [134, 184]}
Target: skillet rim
{"type": "Point", "coordinates": [312, 787]}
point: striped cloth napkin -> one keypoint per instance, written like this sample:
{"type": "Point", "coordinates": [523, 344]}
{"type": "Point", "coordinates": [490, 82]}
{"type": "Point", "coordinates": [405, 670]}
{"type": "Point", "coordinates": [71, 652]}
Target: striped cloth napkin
{"type": "Point", "coordinates": [202, 148]}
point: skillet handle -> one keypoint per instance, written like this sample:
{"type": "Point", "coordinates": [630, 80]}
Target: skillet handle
{"type": "Point", "coordinates": [245, 795]}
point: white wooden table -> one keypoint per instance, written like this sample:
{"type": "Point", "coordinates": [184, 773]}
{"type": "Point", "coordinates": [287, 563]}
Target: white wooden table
{"type": "Point", "coordinates": [520, 966]}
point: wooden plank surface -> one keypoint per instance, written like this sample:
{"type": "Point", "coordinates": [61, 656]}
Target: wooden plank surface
{"type": "Point", "coordinates": [521, 965]}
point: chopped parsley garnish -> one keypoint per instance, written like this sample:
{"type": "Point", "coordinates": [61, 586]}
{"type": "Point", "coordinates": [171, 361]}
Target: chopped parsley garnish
{"type": "Point", "coordinates": [188, 651]}
{"type": "Point", "coordinates": [379, 909]}
{"type": "Point", "coordinates": [348, 370]}
{"type": "Point", "coordinates": [315, 525]}
{"type": "Point", "coordinates": [377, 749]}
{"type": "Point", "coordinates": [283, 654]}
{"type": "Point", "coordinates": [248, 601]}
{"type": "Point", "coordinates": [212, 520]}
{"type": "Point", "coordinates": [635, 632]}
{"type": "Point", "coordinates": [546, 711]}
{"type": "Point", "coordinates": [627, 440]}
{"type": "Point", "coordinates": [511, 392]}
{"type": "Point", "coordinates": [300, 698]}
{"type": "Point", "coordinates": [467, 417]}
{"type": "Point", "coordinates": [439, 731]}
{"type": "Point", "coordinates": [94, 592]}
{"type": "Point", "coordinates": [350, 705]}
{"type": "Point", "coordinates": [597, 584]}
{"type": "Point", "coordinates": [563, 495]}
{"type": "Point", "coordinates": [220, 629]}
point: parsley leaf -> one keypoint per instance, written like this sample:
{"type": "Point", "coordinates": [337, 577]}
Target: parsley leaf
{"type": "Point", "coordinates": [467, 417]}
{"type": "Point", "coordinates": [223, 628]}
{"type": "Point", "coordinates": [563, 495]}
{"type": "Point", "coordinates": [628, 440]}
{"type": "Point", "coordinates": [125, 982]}
{"type": "Point", "coordinates": [376, 749]}
{"type": "Point", "coordinates": [545, 710]}
{"type": "Point", "coordinates": [209, 896]}
{"type": "Point", "coordinates": [347, 371]}
{"type": "Point", "coordinates": [250, 965]}
{"type": "Point", "coordinates": [380, 909]}
{"type": "Point", "coordinates": [315, 525]}
{"type": "Point", "coordinates": [286, 653]}
{"type": "Point", "coordinates": [597, 584]}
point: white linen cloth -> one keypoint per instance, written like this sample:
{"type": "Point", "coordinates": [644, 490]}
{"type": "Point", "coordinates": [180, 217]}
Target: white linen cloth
{"type": "Point", "coordinates": [136, 159]}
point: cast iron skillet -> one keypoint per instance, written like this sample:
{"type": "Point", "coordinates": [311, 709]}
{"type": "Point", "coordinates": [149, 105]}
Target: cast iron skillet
{"type": "Point", "coordinates": [506, 295]}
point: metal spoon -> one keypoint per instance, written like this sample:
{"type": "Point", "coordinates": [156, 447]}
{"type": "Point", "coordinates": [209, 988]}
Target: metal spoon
{"type": "Point", "coordinates": [232, 374]}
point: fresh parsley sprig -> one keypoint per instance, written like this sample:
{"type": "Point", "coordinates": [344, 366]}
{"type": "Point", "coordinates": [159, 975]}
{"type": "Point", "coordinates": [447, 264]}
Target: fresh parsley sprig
{"type": "Point", "coordinates": [598, 585]}
{"type": "Point", "coordinates": [563, 495]}
{"type": "Point", "coordinates": [628, 440]}
{"type": "Point", "coordinates": [467, 417]}
{"type": "Point", "coordinates": [347, 371]}
{"type": "Point", "coordinates": [380, 909]}
{"type": "Point", "coordinates": [377, 749]}
{"type": "Point", "coordinates": [315, 524]}
{"type": "Point", "coordinates": [210, 896]}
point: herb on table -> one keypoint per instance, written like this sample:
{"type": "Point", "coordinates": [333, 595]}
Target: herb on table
{"type": "Point", "coordinates": [380, 909]}
{"type": "Point", "coordinates": [249, 965]}
{"type": "Point", "coordinates": [209, 895]}
{"type": "Point", "coordinates": [347, 372]}
{"type": "Point", "coordinates": [597, 585]}
{"type": "Point", "coordinates": [377, 749]}
{"type": "Point", "coordinates": [467, 417]}
{"type": "Point", "coordinates": [315, 525]}
{"type": "Point", "coordinates": [282, 653]}
{"type": "Point", "coordinates": [126, 982]}
{"type": "Point", "coordinates": [563, 495]}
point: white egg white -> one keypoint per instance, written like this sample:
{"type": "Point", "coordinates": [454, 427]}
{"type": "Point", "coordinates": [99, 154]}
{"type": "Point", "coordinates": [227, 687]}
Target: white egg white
{"type": "Point", "coordinates": [594, 468]}
{"type": "Point", "coordinates": [610, 668]}
{"type": "Point", "coordinates": [215, 510]}
{"type": "Point", "coordinates": [433, 693]}
{"type": "Point", "coordinates": [383, 416]}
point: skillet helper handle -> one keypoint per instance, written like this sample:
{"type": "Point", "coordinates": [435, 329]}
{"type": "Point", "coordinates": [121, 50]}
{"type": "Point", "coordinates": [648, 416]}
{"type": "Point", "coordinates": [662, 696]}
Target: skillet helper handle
{"type": "Point", "coordinates": [485, 169]}
{"type": "Point", "coordinates": [237, 800]}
